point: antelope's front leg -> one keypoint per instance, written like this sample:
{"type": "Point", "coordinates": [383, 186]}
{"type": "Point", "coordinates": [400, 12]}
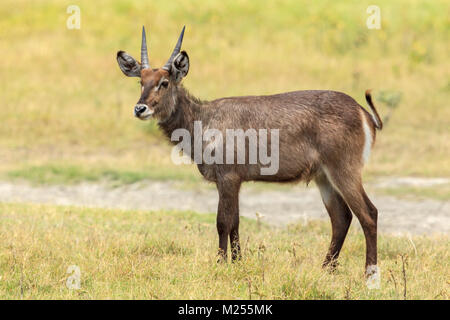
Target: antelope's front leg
{"type": "Point", "coordinates": [234, 238]}
{"type": "Point", "coordinates": [228, 216]}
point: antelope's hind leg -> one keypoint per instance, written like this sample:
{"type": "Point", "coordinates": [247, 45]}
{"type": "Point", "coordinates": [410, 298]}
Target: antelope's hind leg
{"type": "Point", "coordinates": [340, 216]}
{"type": "Point", "coordinates": [352, 191]}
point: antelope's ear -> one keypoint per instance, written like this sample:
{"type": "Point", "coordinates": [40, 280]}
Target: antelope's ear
{"type": "Point", "coordinates": [129, 66]}
{"type": "Point", "coordinates": [180, 66]}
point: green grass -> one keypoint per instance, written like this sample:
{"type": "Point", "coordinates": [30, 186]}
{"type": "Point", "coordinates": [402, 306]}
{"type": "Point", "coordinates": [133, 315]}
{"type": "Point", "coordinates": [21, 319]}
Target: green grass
{"type": "Point", "coordinates": [65, 99]}
{"type": "Point", "coordinates": [57, 174]}
{"type": "Point", "coordinates": [66, 112]}
{"type": "Point", "coordinates": [439, 192]}
{"type": "Point", "coordinates": [186, 177]}
{"type": "Point", "coordinates": [171, 254]}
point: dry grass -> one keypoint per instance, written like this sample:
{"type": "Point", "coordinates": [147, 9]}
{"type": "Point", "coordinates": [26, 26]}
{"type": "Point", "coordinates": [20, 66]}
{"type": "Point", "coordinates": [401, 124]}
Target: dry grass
{"type": "Point", "coordinates": [66, 113]}
{"type": "Point", "coordinates": [168, 255]}
{"type": "Point", "coordinates": [64, 100]}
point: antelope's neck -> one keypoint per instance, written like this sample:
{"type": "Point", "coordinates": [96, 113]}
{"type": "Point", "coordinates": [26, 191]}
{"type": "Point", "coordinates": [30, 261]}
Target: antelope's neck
{"type": "Point", "coordinates": [187, 110]}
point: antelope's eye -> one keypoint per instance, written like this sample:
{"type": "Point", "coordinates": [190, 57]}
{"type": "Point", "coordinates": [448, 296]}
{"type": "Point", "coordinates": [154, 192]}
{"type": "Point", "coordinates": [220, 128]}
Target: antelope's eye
{"type": "Point", "coordinates": [165, 83]}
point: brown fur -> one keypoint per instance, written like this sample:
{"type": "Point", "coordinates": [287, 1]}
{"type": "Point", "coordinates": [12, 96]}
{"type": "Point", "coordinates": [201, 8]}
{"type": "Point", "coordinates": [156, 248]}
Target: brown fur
{"type": "Point", "coordinates": [321, 138]}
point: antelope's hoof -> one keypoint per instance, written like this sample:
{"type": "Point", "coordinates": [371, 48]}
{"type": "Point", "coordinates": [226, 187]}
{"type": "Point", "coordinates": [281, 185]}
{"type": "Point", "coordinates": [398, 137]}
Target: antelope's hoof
{"type": "Point", "coordinates": [221, 257]}
{"type": "Point", "coordinates": [330, 265]}
{"type": "Point", "coordinates": [373, 277]}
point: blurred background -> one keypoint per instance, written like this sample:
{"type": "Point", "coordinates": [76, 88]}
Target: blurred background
{"type": "Point", "coordinates": [66, 108]}
{"type": "Point", "coordinates": [72, 152]}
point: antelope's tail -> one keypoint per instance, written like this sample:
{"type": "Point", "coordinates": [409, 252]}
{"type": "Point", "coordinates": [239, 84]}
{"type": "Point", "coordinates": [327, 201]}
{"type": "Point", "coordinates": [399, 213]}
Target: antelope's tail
{"type": "Point", "coordinates": [375, 116]}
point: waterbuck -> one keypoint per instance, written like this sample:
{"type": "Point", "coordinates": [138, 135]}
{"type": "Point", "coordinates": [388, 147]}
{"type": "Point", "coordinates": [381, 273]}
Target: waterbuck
{"type": "Point", "coordinates": [325, 136]}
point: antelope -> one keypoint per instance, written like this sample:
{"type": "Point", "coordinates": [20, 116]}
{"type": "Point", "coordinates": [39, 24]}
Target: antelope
{"type": "Point", "coordinates": [325, 136]}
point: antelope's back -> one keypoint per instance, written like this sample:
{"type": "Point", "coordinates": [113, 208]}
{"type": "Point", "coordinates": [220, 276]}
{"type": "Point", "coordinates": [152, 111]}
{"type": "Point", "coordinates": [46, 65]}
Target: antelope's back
{"type": "Point", "coordinates": [315, 126]}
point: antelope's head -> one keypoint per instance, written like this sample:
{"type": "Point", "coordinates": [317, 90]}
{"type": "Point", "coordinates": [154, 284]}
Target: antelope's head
{"type": "Point", "coordinates": [156, 84]}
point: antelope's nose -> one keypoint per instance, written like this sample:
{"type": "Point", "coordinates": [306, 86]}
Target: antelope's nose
{"type": "Point", "coordinates": [140, 109]}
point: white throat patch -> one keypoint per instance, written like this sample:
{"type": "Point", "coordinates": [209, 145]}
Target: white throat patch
{"type": "Point", "coordinates": [174, 96]}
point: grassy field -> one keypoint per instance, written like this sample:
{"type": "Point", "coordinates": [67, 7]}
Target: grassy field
{"type": "Point", "coordinates": [169, 255]}
{"type": "Point", "coordinates": [65, 105]}
{"type": "Point", "coordinates": [66, 117]}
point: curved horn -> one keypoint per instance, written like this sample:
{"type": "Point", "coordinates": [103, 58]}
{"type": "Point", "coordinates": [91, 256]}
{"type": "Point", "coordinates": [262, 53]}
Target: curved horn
{"type": "Point", "coordinates": [177, 49]}
{"type": "Point", "coordinates": [144, 55]}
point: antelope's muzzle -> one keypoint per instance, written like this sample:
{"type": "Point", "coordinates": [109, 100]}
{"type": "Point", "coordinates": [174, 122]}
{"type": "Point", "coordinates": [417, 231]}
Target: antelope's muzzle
{"type": "Point", "coordinates": [142, 111]}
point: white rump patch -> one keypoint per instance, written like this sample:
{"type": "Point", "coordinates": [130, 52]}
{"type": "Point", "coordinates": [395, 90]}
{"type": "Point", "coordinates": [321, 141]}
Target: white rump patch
{"type": "Point", "coordinates": [325, 191]}
{"type": "Point", "coordinates": [373, 275]}
{"type": "Point", "coordinates": [367, 141]}
{"type": "Point", "coordinates": [327, 173]}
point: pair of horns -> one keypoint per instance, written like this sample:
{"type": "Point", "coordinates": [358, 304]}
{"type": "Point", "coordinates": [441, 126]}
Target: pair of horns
{"type": "Point", "coordinates": [145, 64]}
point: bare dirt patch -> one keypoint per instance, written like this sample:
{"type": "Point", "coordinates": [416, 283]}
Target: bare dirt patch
{"type": "Point", "coordinates": [278, 207]}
